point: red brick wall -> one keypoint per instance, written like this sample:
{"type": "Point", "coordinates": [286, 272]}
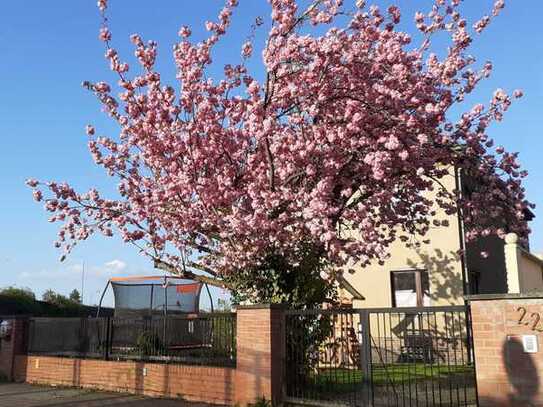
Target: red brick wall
{"type": "Point", "coordinates": [194, 383]}
{"type": "Point", "coordinates": [258, 372]}
{"type": "Point", "coordinates": [506, 375]}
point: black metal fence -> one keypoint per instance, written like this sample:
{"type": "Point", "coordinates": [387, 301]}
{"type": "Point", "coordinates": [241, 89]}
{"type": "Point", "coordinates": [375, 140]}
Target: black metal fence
{"type": "Point", "coordinates": [380, 357]}
{"type": "Point", "coordinates": [207, 339]}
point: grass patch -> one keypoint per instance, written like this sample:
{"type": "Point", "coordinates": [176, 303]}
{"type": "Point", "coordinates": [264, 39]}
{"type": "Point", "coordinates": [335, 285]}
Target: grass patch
{"type": "Point", "coordinates": [347, 380]}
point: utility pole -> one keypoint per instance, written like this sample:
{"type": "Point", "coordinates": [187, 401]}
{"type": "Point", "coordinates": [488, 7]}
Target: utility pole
{"type": "Point", "coordinates": [82, 281]}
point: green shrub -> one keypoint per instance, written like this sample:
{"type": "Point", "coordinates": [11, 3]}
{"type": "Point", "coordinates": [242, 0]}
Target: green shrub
{"type": "Point", "coordinates": [149, 343]}
{"type": "Point", "coordinates": [23, 294]}
{"type": "Point", "coordinates": [261, 402]}
{"type": "Point", "coordinates": [18, 300]}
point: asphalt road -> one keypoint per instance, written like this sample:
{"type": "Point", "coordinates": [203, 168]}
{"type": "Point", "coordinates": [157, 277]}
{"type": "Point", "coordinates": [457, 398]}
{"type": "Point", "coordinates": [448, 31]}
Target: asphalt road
{"type": "Point", "coordinates": [27, 395]}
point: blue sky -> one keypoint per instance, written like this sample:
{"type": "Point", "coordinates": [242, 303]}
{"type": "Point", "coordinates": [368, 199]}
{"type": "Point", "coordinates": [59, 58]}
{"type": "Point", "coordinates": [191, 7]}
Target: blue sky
{"type": "Point", "coordinates": [48, 48]}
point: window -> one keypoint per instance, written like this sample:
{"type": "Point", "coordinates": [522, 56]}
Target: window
{"type": "Point", "coordinates": [410, 288]}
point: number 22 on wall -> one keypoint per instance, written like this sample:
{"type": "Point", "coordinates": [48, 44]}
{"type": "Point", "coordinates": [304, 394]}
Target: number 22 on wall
{"type": "Point", "coordinates": [533, 319]}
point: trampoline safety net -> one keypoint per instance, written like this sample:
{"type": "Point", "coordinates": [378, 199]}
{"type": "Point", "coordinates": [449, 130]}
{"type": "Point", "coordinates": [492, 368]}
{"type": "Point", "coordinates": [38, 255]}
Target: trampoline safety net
{"type": "Point", "coordinates": [155, 296]}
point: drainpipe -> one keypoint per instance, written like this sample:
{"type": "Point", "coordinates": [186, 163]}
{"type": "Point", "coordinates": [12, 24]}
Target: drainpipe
{"type": "Point", "coordinates": [461, 234]}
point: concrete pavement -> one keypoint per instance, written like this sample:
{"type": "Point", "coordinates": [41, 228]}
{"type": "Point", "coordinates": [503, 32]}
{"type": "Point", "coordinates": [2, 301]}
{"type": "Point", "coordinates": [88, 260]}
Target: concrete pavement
{"type": "Point", "coordinates": [27, 395]}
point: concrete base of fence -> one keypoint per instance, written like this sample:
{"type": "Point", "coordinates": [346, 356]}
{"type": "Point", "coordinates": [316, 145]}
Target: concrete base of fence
{"type": "Point", "coordinates": [508, 341]}
{"type": "Point", "coordinates": [258, 372]}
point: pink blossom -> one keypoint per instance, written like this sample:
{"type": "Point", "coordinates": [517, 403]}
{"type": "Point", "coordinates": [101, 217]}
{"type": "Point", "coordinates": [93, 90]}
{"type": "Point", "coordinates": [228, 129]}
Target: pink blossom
{"type": "Point", "coordinates": [422, 138]}
{"type": "Point", "coordinates": [101, 87]}
{"type": "Point", "coordinates": [185, 32]}
{"type": "Point", "coordinates": [477, 109]}
{"type": "Point", "coordinates": [105, 34]}
{"type": "Point", "coordinates": [89, 130]}
{"type": "Point", "coordinates": [346, 129]}
{"type": "Point", "coordinates": [247, 49]}
{"type": "Point", "coordinates": [210, 26]}
{"type": "Point", "coordinates": [487, 69]}
{"type": "Point", "coordinates": [498, 6]}
{"type": "Point", "coordinates": [395, 14]}
{"type": "Point", "coordinates": [102, 5]}
{"type": "Point", "coordinates": [480, 25]}
{"type": "Point", "coordinates": [31, 182]}
{"type": "Point", "coordinates": [500, 95]}
{"type": "Point", "coordinates": [136, 39]}
{"type": "Point", "coordinates": [431, 108]}
{"type": "Point", "coordinates": [392, 143]}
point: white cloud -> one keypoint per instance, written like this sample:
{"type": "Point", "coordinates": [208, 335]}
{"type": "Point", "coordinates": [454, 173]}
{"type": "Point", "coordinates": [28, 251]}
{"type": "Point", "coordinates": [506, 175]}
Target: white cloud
{"type": "Point", "coordinates": [69, 275]}
{"type": "Point", "coordinates": [116, 265]}
{"type": "Point", "coordinates": [74, 270]}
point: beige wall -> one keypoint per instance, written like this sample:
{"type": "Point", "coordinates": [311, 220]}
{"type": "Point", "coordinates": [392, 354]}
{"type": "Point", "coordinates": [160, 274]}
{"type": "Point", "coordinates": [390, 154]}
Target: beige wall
{"type": "Point", "coordinates": [524, 269]}
{"type": "Point", "coordinates": [531, 270]}
{"type": "Point", "coordinates": [439, 258]}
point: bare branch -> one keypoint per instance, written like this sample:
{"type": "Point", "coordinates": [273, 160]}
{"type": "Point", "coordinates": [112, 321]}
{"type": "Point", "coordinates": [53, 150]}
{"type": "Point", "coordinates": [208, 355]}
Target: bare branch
{"type": "Point", "coordinates": [162, 265]}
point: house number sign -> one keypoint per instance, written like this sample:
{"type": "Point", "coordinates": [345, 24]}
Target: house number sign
{"type": "Point", "coordinates": [532, 321]}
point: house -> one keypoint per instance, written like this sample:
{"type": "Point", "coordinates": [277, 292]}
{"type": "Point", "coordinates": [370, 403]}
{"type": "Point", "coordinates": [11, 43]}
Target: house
{"type": "Point", "coordinates": [435, 274]}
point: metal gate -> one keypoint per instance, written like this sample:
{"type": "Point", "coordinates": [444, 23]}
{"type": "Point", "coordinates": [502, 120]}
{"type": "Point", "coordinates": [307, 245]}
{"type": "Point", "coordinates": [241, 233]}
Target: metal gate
{"type": "Point", "coordinates": [380, 357]}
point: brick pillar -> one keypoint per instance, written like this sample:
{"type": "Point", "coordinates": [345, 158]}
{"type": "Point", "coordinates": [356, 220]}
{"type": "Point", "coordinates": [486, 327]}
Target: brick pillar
{"type": "Point", "coordinates": [513, 255]}
{"type": "Point", "coordinates": [508, 373]}
{"type": "Point", "coordinates": [14, 345]}
{"type": "Point", "coordinates": [259, 369]}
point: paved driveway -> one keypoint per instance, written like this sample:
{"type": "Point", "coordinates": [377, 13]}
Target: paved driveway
{"type": "Point", "coordinates": [26, 395]}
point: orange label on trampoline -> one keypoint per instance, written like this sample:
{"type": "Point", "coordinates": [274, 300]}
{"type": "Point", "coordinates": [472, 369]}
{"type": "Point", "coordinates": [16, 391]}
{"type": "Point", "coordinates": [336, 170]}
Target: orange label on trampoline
{"type": "Point", "coordinates": [187, 288]}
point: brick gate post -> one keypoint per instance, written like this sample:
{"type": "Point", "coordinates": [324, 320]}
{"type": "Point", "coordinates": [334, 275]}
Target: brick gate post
{"type": "Point", "coordinates": [260, 353]}
{"type": "Point", "coordinates": [12, 345]}
{"type": "Point", "coordinates": [508, 344]}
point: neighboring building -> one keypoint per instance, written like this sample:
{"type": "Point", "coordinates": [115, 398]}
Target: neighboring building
{"type": "Point", "coordinates": [435, 274]}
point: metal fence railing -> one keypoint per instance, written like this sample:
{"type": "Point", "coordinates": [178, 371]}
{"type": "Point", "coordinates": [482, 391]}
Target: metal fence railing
{"type": "Point", "coordinates": [81, 337]}
{"type": "Point", "coordinates": [422, 357]}
{"type": "Point", "coordinates": [207, 339]}
{"type": "Point", "coordinates": [323, 357]}
{"type": "Point", "coordinates": [380, 357]}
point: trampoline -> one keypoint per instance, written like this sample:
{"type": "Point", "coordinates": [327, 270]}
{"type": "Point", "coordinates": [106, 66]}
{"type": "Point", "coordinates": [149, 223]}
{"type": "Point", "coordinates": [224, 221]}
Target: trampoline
{"type": "Point", "coordinates": [154, 295]}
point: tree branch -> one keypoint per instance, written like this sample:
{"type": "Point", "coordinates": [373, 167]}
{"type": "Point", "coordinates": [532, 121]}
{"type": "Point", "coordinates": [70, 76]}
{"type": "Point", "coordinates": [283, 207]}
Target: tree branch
{"type": "Point", "coordinates": [269, 157]}
{"type": "Point", "coordinates": [162, 265]}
